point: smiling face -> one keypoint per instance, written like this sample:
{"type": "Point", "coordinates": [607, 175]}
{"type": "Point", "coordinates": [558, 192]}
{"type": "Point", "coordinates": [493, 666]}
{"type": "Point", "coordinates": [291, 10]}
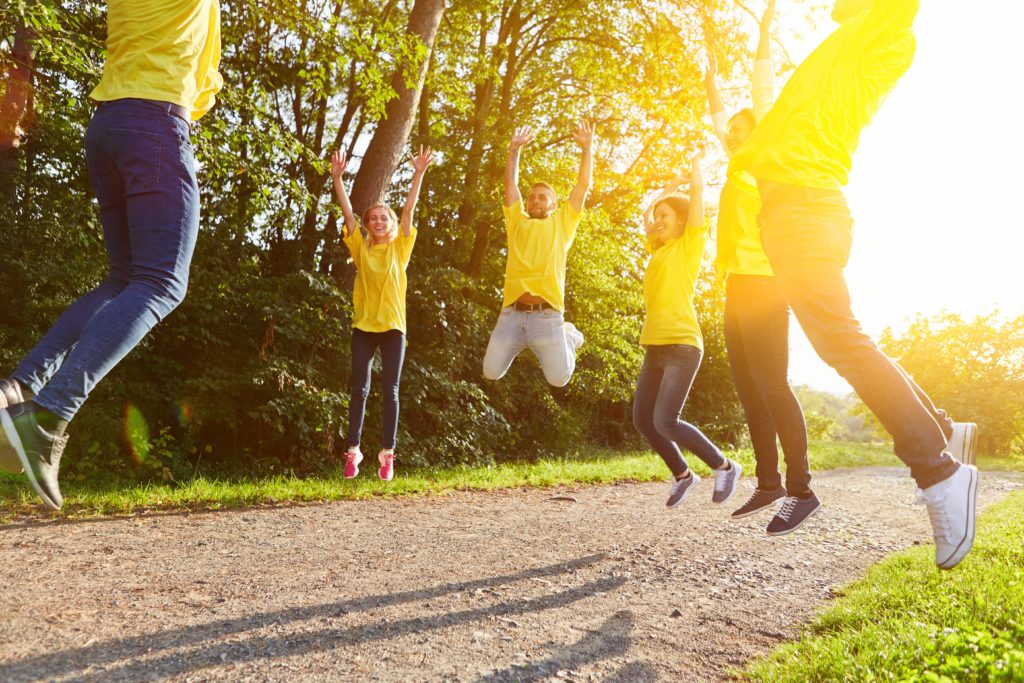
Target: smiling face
{"type": "Point", "coordinates": [540, 202]}
{"type": "Point", "coordinates": [381, 224]}
{"type": "Point", "coordinates": [740, 127]}
{"type": "Point", "coordinates": [668, 222]}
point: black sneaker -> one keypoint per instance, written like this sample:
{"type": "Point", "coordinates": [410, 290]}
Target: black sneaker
{"type": "Point", "coordinates": [11, 393]}
{"type": "Point", "coordinates": [759, 500]}
{"type": "Point", "coordinates": [681, 489]}
{"type": "Point", "coordinates": [38, 450]}
{"type": "Point", "coordinates": [795, 511]}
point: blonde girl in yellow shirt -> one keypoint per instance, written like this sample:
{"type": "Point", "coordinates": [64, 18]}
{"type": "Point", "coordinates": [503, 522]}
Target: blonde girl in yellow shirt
{"type": "Point", "coordinates": [676, 235]}
{"type": "Point", "coordinates": [378, 299]}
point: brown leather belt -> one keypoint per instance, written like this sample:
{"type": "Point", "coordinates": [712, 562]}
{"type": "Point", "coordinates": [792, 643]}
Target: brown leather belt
{"type": "Point", "coordinates": [529, 308]}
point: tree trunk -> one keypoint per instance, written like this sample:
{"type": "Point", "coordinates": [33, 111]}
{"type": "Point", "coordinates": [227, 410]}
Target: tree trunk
{"type": "Point", "coordinates": [385, 149]}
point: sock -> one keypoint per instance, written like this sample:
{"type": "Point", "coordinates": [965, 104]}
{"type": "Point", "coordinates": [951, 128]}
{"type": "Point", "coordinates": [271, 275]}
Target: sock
{"type": "Point", "coordinates": [726, 467]}
{"type": "Point", "coordinates": [684, 476]}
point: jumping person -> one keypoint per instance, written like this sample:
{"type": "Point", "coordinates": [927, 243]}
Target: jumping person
{"type": "Point", "coordinates": [676, 235]}
{"type": "Point", "coordinates": [801, 155]}
{"type": "Point", "coordinates": [757, 315]}
{"type": "Point", "coordinates": [160, 76]}
{"type": "Point", "coordinates": [532, 314]}
{"type": "Point", "coordinates": [378, 297]}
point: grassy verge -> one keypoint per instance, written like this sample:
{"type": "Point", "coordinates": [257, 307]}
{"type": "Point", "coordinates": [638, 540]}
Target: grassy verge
{"type": "Point", "coordinates": [593, 467]}
{"type": "Point", "coordinates": [907, 621]}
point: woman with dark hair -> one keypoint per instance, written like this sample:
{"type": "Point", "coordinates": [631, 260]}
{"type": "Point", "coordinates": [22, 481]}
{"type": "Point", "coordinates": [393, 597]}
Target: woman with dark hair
{"type": "Point", "coordinates": [676, 235]}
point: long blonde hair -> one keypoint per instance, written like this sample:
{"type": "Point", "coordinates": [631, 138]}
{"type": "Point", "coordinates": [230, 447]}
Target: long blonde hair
{"type": "Point", "coordinates": [392, 219]}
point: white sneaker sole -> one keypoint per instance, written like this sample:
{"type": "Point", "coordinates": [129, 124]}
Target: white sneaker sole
{"type": "Point", "coordinates": [773, 504]}
{"type": "Point", "coordinates": [15, 441]}
{"type": "Point", "coordinates": [967, 542]}
{"type": "Point", "coordinates": [686, 494]}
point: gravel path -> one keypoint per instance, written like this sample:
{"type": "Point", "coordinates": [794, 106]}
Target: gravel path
{"type": "Point", "coordinates": [597, 583]}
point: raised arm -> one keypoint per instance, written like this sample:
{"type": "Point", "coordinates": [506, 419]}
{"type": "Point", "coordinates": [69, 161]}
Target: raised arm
{"type": "Point", "coordinates": [719, 119]}
{"type": "Point", "coordinates": [520, 138]}
{"type": "Point", "coordinates": [584, 136]}
{"type": "Point", "coordinates": [419, 163]}
{"type": "Point", "coordinates": [338, 165]}
{"type": "Point", "coordinates": [696, 217]}
{"type": "Point", "coordinates": [762, 90]}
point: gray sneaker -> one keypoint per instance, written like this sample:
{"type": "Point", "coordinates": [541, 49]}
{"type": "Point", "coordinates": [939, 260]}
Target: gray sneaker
{"type": "Point", "coordinates": [681, 489]}
{"type": "Point", "coordinates": [725, 482]}
{"type": "Point", "coordinates": [38, 451]}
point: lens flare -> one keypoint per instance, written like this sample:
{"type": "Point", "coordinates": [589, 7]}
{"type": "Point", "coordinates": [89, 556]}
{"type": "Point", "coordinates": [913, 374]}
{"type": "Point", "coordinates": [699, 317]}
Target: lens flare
{"type": "Point", "coordinates": [136, 433]}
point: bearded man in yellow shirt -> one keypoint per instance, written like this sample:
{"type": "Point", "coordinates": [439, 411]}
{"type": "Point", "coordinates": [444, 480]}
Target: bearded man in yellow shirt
{"type": "Point", "coordinates": [538, 245]}
{"type": "Point", "coordinates": [160, 76]}
{"type": "Point", "coordinates": [801, 155]}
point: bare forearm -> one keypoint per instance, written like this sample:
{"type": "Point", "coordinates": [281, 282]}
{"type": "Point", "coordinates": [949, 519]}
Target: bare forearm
{"type": "Point", "coordinates": [512, 176]}
{"type": "Point", "coordinates": [410, 204]}
{"type": "Point", "coordinates": [696, 216]}
{"type": "Point", "coordinates": [346, 206]}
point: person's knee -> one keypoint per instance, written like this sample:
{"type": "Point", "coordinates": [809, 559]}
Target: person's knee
{"type": "Point", "coordinates": [643, 423]}
{"type": "Point", "coordinates": [493, 371]}
{"type": "Point", "coordinates": [558, 379]}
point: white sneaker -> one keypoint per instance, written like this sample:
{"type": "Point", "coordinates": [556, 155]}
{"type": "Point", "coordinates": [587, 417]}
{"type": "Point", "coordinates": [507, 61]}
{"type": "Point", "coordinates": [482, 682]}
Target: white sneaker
{"type": "Point", "coordinates": [574, 335]}
{"type": "Point", "coordinates": [951, 508]}
{"type": "Point", "coordinates": [964, 442]}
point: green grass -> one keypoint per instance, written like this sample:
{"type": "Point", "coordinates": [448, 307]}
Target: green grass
{"type": "Point", "coordinates": [593, 467]}
{"type": "Point", "coordinates": [908, 621]}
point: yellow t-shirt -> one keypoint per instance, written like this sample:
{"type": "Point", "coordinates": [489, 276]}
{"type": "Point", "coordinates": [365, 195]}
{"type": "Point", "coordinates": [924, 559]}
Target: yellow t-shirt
{"type": "Point", "coordinates": [739, 249]}
{"type": "Point", "coordinates": [537, 252]}
{"type": "Point", "coordinates": [670, 282]}
{"type": "Point", "coordinates": [809, 136]}
{"type": "Point", "coordinates": [167, 51]}
{"type": "Point", "coordinates": [378, 297]}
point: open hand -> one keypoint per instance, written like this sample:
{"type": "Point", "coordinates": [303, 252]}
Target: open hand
{"type": "Point", "coordinates": [521, 137]}
{"type": "Point", "coordinates": [422, 160]}
{"type": "Point", "coordinates": [584, 134]}
{"type": "Point", "coordinates": [338, 164]}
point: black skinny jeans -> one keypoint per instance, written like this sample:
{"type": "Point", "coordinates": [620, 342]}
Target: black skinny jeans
{"type": "Point", "coordinates": [757, 341]}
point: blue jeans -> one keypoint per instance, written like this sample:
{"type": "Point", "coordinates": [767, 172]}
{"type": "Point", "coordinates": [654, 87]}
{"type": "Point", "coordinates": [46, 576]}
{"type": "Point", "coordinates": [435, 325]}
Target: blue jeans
{"type": "Point", "coordinates": [142, 169]}
{"type": "Point", "coordinates": [392, 355]}
{"type": "Point", "coordinates": [757, 341]}
{"type": "Point", "coordinates": [661, 390]}
{"type": "Point", "coordinates": [807, 235]}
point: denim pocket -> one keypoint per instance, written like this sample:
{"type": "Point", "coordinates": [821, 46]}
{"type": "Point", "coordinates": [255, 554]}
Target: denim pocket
{"type": "Point", "coordinates": [137, 155]}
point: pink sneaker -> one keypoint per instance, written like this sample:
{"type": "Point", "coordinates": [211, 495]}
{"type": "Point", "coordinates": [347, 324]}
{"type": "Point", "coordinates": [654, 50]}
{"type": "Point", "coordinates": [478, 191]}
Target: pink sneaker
{"type": "Point", "coordinates": [352, 459]}
{"type": "Point", "coordinates": [387, 465]}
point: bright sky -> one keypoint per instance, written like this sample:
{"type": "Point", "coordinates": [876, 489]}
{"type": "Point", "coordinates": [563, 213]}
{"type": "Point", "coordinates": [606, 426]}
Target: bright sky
{"type": "Point", "coordinates": [936, 191]}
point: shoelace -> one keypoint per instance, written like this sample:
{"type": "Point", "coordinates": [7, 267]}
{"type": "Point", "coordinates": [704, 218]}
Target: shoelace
{"type": "Point", "coordinates": [387, 459]}
{"type": "Point", "coordinates": [351, 457]}
{"type": "Point", "coordinates": [788, 507]}
{"type": "Point", "coordinates": [721, 477]}
{"type": "Point", "coordinates": [940, 521]}
{"type": "Point", "coordinates": [753, 497]}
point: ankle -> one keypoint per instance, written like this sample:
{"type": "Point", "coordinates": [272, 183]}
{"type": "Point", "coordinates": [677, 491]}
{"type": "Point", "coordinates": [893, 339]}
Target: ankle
{"type": "Point", "coordinates": [685, 475]}
{"type": "Point", "coordinates": [48, 421]}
